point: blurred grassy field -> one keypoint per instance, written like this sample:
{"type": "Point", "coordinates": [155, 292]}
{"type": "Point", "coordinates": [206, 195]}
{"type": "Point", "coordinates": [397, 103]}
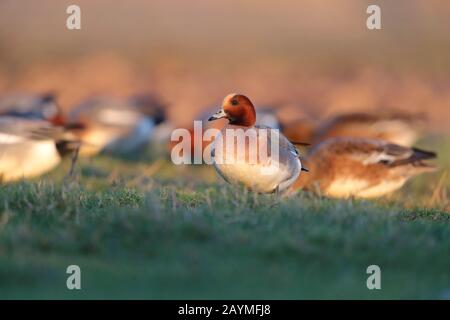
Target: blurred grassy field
{"type": "Point", "coordinates": [143, 228]}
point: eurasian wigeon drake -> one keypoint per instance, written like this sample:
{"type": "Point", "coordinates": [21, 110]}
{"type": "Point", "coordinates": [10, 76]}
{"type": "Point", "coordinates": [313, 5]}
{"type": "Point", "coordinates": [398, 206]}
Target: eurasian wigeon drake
{"type": "Point", "coordinates": [397, 128]}
{"type": "Point", "coordinates": [32, 147]}
{"type": "Point", "coordinates": [362, 168]}
{"type": "Point", "coordinates": [31, 106]}
{"type": "Point", "coordinates": [116, 125]}
{"type": "Point", "coordinates": [265, 174]}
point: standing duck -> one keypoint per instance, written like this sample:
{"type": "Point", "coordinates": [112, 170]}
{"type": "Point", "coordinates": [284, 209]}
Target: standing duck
{"type": "Point", "coordinates": [363, 168]}
{"type": "Point", "coordinates": [116, 125]}
{"type": "Point", "coordinates": [257, 173]}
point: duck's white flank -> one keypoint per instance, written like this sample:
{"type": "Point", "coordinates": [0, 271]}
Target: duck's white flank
{"type": "Point", "coordinates": [27, 160]}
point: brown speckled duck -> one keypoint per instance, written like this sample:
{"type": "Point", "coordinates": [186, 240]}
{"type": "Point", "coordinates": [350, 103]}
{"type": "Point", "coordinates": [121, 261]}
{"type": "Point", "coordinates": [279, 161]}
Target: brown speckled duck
{"type": "Point", "coordinates": [361, 168]}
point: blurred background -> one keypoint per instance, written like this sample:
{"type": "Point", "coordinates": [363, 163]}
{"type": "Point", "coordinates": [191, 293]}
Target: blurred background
{"type": "Point", "coordinates": [316, 56]}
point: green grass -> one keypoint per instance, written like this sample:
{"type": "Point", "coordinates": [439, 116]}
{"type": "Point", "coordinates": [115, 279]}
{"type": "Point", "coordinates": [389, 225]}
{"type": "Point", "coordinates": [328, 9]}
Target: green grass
{"type": "Point", "coordinates": [142, 228]}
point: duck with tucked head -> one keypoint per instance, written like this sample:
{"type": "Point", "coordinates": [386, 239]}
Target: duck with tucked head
{"type": "Point", "coordinates": [32, 106]}
{"type": "Point", "coordinates": [395, 127]}
{"type": "Point", "coordinates": [362, 168]}
{"type": "Point", "coordinates": [398, 128]}
{"type": "Point", "coordinates": [114, 124]}
{"type": "Point", "coordinates": [263, 160]}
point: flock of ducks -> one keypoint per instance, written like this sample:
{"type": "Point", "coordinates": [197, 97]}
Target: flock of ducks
{"type": "Point", "coordinates": [351, 155]}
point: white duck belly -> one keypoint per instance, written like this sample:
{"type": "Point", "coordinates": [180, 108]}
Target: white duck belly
{"type": "Point", "coordinates": [264, 179]}
{"type": "Point", "coordinates": [27, 159]}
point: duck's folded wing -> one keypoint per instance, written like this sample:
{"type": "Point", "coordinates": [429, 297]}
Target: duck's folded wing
{"type": "Point", "coordinates": [283, 142]}
{"type": "Point", "coordinates": [16, 129]}
{"type": "Point", "coordinates": [391, 154]}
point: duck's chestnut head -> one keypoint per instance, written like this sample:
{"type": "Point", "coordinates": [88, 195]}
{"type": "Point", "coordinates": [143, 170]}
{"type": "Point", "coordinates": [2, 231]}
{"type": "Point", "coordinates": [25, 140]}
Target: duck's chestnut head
{"type": "Point", "coordinates": [238, 109]}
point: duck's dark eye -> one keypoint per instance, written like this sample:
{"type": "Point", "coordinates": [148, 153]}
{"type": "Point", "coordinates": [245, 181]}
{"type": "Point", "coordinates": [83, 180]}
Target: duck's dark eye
{"type": "Point", "coordinates": [234, 102]}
